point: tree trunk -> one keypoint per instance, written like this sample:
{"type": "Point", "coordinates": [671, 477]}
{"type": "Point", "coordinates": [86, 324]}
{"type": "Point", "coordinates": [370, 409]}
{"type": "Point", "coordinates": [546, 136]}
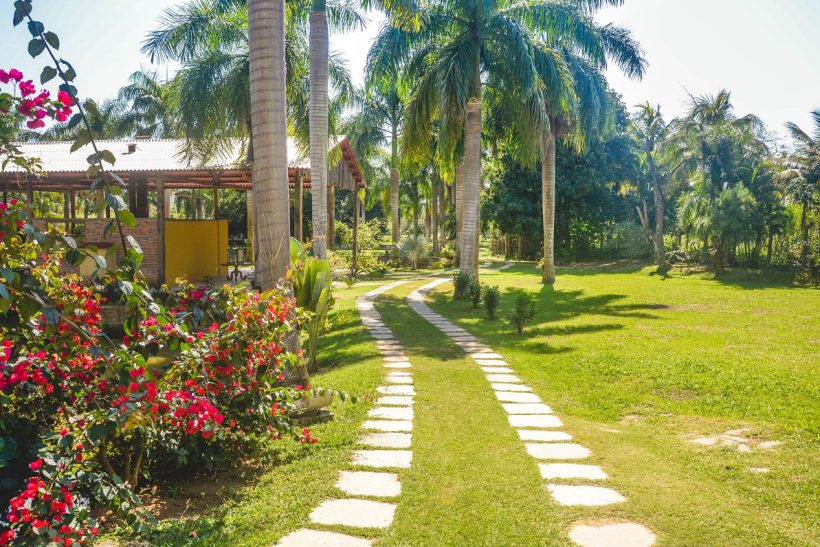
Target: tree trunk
{"type": "Point", "coordinates": [434, 202]}
{"type": "Point", "coordinates": [458, 191]}
{"type": "Point", "coordinates": [804, 231]}
{"type": "Point", "coordinates": [416, 219]}
{"type": "Point", "coordinates": [266, 27]}
{"type": "Point", "coordinates": [548, 205]}
{"type": "Point", "coordinates": [318, 127]}
{"type": "Point", "coordinates": [471, 188]}
{"type": "Point", "coordinates": [769, 246]}
{"type": "Point", "coordinates": [394, 185]}
{"type": "Point", "coordinates": [660, 206]}
{"type": "Point", "coordinates": [441, 210]}
{"type": "Point", "coordinates": [331, 218]}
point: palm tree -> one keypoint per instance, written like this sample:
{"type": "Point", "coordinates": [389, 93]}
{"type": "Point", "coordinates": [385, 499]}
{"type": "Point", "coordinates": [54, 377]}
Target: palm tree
{"type": "Point", "coordinates": [149, 106]}
{"type": "Point", "coordinates": [319, 45]}
{"type": "Point", "coordinates": [803, 175]}
{"type": "Point", "coordinates": [266, 37]}
{"type": "Point", "coordinates": [726, 149]}
{"type": "Point", "coordinates": [662, 162]}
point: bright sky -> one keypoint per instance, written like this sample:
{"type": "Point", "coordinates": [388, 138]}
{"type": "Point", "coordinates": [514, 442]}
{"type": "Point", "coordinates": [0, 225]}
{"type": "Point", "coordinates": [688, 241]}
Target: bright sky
{"type": "Point", "coordinates": [766, 52]}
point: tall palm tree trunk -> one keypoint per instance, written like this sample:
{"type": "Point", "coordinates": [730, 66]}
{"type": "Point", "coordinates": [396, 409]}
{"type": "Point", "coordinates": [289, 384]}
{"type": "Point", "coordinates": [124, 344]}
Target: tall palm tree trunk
{"type": "Point", "coordinates": [660, 206]}
{"type": "Point", "coordinates": [266, 26]}
{"type": "Point", "coordinates": [458, 191]}
{"type": "Point", "coordinates": [318, 125]}
{"type": "Point", "coordinates": [434, 200]}
{"type": "Point", "coordinates": [394, 184]}
{"type": "Point", "coordinates": [471, 187]}
{"type": "Point", "coordinates": [548, 205]}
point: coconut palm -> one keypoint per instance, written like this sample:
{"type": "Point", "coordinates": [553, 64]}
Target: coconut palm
{"type": "Point", "coordinates": [803, 175]}
{"type": "Point", "coordinates": [148, 106]}
{"type": "Point", "coordinates": [266, 44]}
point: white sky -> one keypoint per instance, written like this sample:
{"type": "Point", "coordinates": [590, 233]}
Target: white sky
{"type": "Point", "coordinates": [766, 52]}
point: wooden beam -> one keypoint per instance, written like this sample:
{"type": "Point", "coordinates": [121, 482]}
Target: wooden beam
{"type": "Point", "coordinates": [300, 203]}
{"type": "Point", "coordinates": [355, 202]}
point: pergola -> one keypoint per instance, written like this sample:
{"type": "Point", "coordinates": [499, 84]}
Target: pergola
{"type": "Point", "coordinates": [158, 166]}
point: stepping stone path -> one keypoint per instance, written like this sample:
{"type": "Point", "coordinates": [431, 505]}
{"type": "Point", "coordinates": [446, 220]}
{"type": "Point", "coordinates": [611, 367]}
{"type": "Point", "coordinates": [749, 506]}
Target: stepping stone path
{"type": "Point", "coordinates": [384, 448]}
{"type": "Point", "coordinates": [537, 428]}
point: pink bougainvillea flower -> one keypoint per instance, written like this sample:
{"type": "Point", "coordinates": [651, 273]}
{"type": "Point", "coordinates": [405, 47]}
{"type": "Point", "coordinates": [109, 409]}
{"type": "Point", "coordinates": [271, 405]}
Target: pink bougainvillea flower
{"type": "Point", "coordinates": [4, 77]}
{"type": "Point", "coordinates": [15, 75]}
{"type": "Point", "coordinates": [35, 124]}
{"type": "Point", "coordinates": [60, 117]}
{"type": "Point", "coordinates": [65, 98]}
{"type": "Point", "coordinates": [27, 88]}
{"type": "Point", "coordinates": [35, 465]}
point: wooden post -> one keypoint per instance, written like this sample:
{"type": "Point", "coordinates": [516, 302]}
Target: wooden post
{"type": "Point", "coordinates": [251, 236]}
{"type": "Point", "coordinates": [355, 200]}
{"type": "Point", "coordinates": [331, 216]}
{"type": "Point", "coordinates": [161, 212]}
{"type": "Point", "coordinates": [67, 211]}
{"type": "Point", "coordinates": [298, 198]}
{"type": "Point", "coordinates": [72, 200]}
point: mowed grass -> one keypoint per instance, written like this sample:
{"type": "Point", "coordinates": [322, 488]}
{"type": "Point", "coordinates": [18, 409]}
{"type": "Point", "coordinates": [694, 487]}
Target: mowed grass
{"type": "Point", "coordinates": [471, 482]}
{"type": "Point", "coordinates": [636, 365]}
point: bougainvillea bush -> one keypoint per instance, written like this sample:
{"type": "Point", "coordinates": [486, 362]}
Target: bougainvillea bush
{"type": "Point", "coordinates": [83, 416]}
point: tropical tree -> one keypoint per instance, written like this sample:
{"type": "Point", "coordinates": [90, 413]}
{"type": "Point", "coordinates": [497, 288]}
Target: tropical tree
{"type": "Point", "coordinates": [266, 44]}
{"type": "Point", "coordinates": [148, 106]}
{"type": "Point", "coordinates": [661, 163]}
{"type": "Point", "coordinates": [728, 151]}
{"type": "Point", "coordinates": [803, 177]}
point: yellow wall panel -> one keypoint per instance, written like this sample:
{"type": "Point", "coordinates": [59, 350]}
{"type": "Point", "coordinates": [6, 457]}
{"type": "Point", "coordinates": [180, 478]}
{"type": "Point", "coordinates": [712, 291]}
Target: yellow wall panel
{"type": "Point", "coordinates": [196, 250]}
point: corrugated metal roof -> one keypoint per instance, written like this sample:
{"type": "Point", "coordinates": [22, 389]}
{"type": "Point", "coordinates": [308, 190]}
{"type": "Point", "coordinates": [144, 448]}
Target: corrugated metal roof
{"type": "Point", "coordinates": [141, 155]}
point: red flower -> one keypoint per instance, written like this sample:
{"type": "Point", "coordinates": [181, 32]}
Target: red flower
{"type": "Point", "coordinates": [65, 98]}
{"type": "Point", "coordinates": [4, 77]}
{"type": "Point", "coordinates": [15, 75]}
{"type": "Point", "coordinates": [35, 465]}
{"type": "Point", "coordinates": [35, 124]}
{"type": "Point", "coordinates": [62, 118]}
{"type": "Point", "coordinates": [27, 88]}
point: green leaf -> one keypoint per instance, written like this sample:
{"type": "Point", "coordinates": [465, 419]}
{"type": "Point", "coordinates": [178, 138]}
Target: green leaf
{"type": "Point", "coordinates": [115, 202]}
{"type": "Point", "coordinates": [36, 28]}
{"type": "Point", "coordinates": [52, 39]}
{"type": "Point", "coordinates": [83, 139]}
{"type": "Point", "coordinates": [127, 218]}
{"type": "Point", "coordinates": [75, 119]}
{"type": "Point", "coordinates": [101, 264]}
{"type": "Point", "coordinates": [91, 108]}
{"type": "Point", "coordinates": [48, 74]}
{"type": "Point", "coordinates": [36, 47]}
{"type": "Point", "coordinates": [21, 10]}
{"type": "Point", "coordinates": [4, 292]}
{"type": "Point", "coordinates": [52, 315]}
{"type": "Point", "coordinates": [108, 157]}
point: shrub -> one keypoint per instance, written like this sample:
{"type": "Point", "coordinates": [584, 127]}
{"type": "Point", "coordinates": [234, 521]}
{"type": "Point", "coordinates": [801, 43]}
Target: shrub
{"type": "Point", "coordinates": [523, 312]}
{"type": "Point", "coordinates": [461, 284]}
{"type": "Point", "coordinates": [313, 291]}
{"type": "Point", "coordinates": [415, 249]}
{"type": "Point", "coordinates": [492, 298]}
{"type": "Point", "coordinates": [474, 292]}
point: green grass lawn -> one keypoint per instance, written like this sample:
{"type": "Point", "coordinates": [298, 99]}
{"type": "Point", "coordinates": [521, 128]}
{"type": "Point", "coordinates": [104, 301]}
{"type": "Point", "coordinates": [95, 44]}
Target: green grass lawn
{"type": "Point", "coordinates": [635, 363]}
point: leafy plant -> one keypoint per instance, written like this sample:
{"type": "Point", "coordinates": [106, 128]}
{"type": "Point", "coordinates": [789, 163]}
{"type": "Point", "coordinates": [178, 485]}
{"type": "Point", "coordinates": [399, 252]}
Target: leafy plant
{"type": "Point", "coordinates": [379, 271]}
{"type": "Point", "coordinates": [492, 298]}
{"type": "Point", "coordinates": [313, 290]}
{"type": "Point", "coordinates": [523, 312]}
{"type": "Point", "coordinates": [474, 292]}
{"type": "Point", "coordinates": [461, 285]}
{"type": "Point", "coordinates": [415, 249]}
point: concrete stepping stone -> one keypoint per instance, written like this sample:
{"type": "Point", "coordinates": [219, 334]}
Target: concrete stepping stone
{"type": "Point", "coordinates": [498, 370]}
{"type": "Point", "coordinates": [526, 408]}
{"type": "Point", "coordinates": [404, 364]}
{"type": "Point", "coordinates": [383, 458]}
{"type": "Point", "coordinates": [369, 483]}
{"type": "Point", "coordinates": [511, 387]}
{"type": "Point", "coordinates": [503, 378]}
{"type": "Point", "coordinates": [401, 358]}
{"type": "Point", "coordinates": [566, 494]}
{"type": "Point", "coordinates": [396, 390]}
{"type": "Point", "coordinates": [387, 440]}
{"type": "Point", "coordinates": [406, 380]}
{"type": "Point", "coordinates": [557, 451]}
{"type": "Point", "coordinates": [534, 420]}
{"type": "Point", "coordinates": [571, 471]}
{"type": "Point", "coordinates": [320, 538]}
{"type": "Point", "coordinates": [355, 513]}
{"type": "Point", "coordinates": [382, 336]}
{"type": "Point", "coordinates": [388, 425]}
{"type": "Point", "coordinates": [401, 373]}
{"type": "Point", "coordinates": [391, 413]}
{"type": "Point", "coordinates": [395, 400]}
{"type": "Point", "coordinates": [514, 397]}
{"type": "Point", "coordinates": [485, 355]}
{"type": "Point", "coordinates": [492, 362]}
{"type": "Point", "coordinates": [543, 436]}
{"type": "Point", "coordinates": [624, 534]}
